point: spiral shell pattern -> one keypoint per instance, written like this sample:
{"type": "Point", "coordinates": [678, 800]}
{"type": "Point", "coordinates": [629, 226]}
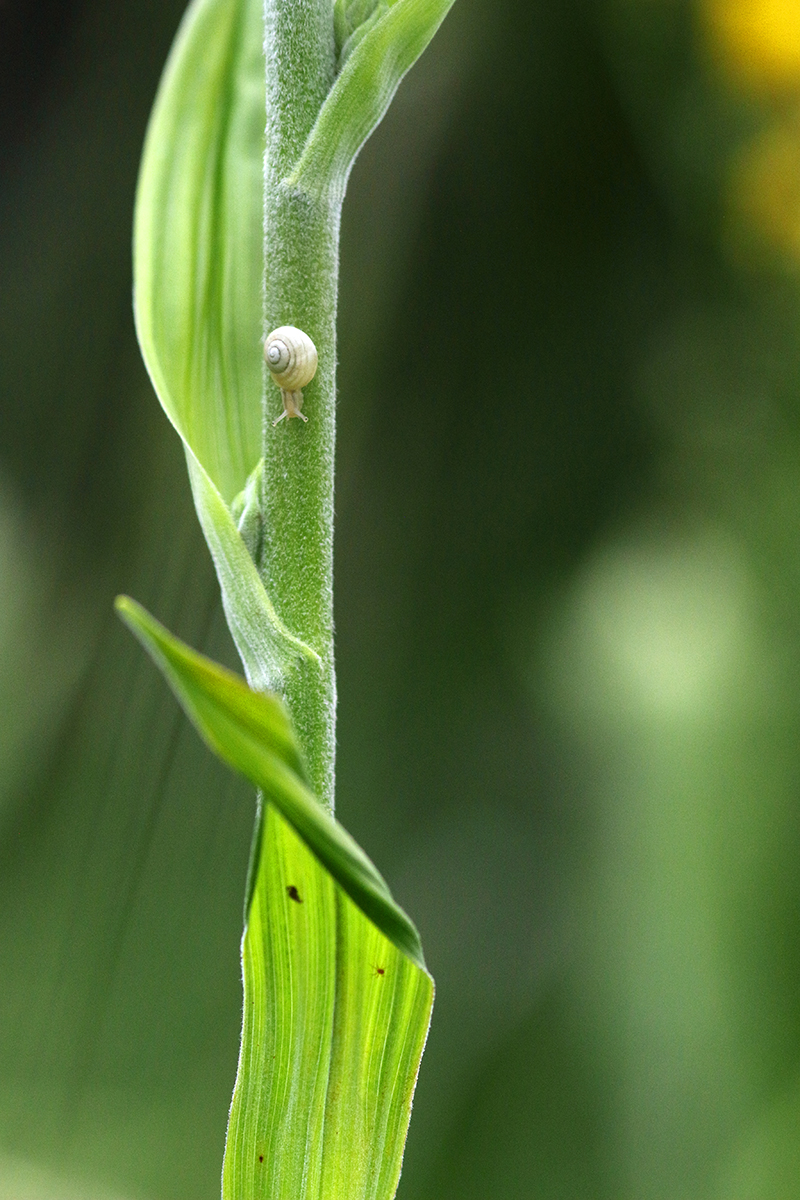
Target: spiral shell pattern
{"type": "Point", "coordinates": [291, 357]}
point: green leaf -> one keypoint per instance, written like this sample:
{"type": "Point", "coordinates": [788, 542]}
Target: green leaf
{"type": "Point", "coordinates": [335, 1022]}
{"type": "Point", "coordinates": [198, 266]}
{"type": "Point", "coordinates": [337, 999]}
{"type": "Point", "coordinates": [252, 733]}
{"type": "Point", "coordinates": [379, 41]}
{"type": "Point", "coordinates": [198, 241]}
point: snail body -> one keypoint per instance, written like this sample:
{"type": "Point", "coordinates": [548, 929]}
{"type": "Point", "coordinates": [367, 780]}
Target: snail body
{"type": "Point", "coordinates": [291, 357]}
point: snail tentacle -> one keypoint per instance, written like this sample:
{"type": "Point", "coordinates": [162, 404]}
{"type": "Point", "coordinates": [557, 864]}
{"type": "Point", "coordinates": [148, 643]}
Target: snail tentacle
{"type": "Point", "coordinates": [292, 403]}
{"type": "Point", "coordinates": [291, 357]}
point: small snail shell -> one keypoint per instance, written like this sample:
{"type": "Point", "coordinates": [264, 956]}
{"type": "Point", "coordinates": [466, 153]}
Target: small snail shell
{"type": "Point", "coordinates": [291, 357]}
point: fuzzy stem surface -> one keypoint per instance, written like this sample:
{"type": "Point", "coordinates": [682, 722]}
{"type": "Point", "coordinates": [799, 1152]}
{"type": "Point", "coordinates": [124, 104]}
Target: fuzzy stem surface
{"type": "Point", "coordinates": [301, 261]}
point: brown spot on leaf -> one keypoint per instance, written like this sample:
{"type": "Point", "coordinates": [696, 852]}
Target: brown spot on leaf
{"type": "Point", "coordinates": [293, 893]}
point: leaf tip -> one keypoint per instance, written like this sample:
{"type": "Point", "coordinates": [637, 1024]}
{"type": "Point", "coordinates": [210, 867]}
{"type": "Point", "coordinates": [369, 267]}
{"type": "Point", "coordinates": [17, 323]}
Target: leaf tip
{"type": "Point", "coordinates": [150, 632]}
{"type": "Point", "coordinates": [127, 610]}
{"type": "Point", "coordinates": [132, 613]}
{"type": "Point", "coordinates": [123, 605]}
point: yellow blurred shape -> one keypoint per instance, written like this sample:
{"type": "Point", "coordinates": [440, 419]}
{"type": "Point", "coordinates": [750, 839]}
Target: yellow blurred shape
{"type": "Point", "coordinates": [764, 194]}
{"type": "Point", "coordinates": [757, 42]}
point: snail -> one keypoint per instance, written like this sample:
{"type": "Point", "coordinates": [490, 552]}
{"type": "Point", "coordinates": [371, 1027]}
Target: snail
{"type": "Point", "coordinates": [291, 357]}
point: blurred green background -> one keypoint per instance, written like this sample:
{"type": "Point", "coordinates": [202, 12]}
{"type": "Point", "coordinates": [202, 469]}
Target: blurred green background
{"type": "Point", "coordinates": [568, 612]}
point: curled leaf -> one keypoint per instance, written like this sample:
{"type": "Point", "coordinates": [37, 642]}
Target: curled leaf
{"type": "Point", "coordinates": [198, 252]}
{"type": "Point", "coordinates": [380, 42]}
{"type": "Point", "coordinates": [337, 1001]}
{"type": "Point", "coordinates": [198, 265]}
{"type": "Point", "coordinates": [252, 733]}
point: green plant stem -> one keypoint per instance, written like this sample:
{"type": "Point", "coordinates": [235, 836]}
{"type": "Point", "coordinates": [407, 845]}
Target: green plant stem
{"type": "Point", "coordinates": [301, 239]}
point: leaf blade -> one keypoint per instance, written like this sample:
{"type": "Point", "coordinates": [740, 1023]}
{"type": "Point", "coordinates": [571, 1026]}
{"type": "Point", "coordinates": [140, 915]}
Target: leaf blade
{"type": "Point", "coordinates": [198, 252]}
{"type": "Point", "coordinates": [198, 266]}
{"type": "Point", "coordinates": [337, 998]}
{"type": "Point", "coordinates": [336, 1019]}
{"type": "Point", "coordinates": [252, 733]}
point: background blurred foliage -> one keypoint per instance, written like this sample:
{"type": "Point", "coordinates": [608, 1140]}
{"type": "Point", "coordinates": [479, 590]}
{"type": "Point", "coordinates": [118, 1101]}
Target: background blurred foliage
{"type": "Point", "coordinates": [568, 586]}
